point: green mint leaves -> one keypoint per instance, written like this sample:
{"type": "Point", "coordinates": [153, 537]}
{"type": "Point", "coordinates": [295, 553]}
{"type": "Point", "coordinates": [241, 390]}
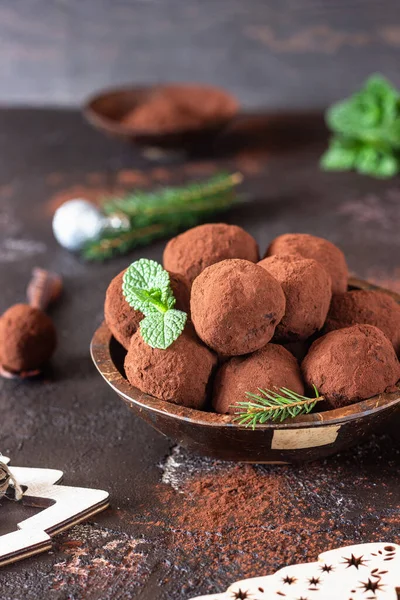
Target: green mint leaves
{"type": "Point", "coordinates": [366, 130]}
{"type": "Point", "coordinates": [160, 330]}
{"type": "Point", "coordinates": [147, 287]}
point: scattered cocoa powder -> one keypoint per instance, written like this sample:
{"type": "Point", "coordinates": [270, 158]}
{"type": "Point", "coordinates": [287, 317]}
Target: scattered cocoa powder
{"type": "Point", "coordinates": [224, 522]}
{"type": "Point", "coordinates": [97, 195]}
{"type": "Point", "coordinates": [132, 177]}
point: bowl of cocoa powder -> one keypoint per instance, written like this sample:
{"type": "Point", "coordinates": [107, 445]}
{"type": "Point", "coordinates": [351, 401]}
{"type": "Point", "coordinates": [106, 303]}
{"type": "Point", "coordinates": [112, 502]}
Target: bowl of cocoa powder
{"type": "Point", "coordinates": [176, 116]}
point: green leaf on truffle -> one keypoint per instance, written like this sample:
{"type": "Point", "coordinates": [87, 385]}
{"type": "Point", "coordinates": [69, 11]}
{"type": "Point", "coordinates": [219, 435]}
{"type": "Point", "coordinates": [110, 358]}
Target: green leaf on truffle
{"type": "Point", "coordinates": [160, 330]}
{"type": "Point", "coordinates": [271, 405]}
{"type": "Point", "coordinates": [146, 287]}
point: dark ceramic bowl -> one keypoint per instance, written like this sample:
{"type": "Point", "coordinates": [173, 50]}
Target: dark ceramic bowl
{"type": "Point", "coordinates": [106, 109]}
{"type": "Point", "coordinates": [307, 437]}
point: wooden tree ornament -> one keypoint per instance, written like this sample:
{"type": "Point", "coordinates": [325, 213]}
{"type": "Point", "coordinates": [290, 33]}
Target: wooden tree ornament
{"type": "Point", "coordinates": [63, 507]}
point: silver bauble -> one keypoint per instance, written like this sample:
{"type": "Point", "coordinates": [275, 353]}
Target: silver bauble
{"type": "Point", "coordinates": [76, 222]}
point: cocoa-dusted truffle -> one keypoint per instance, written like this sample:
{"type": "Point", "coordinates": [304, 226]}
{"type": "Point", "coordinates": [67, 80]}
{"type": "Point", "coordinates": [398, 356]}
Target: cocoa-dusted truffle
{"type": "Point", "coordinates": [321, 250]}
{"type": "Point", "coordinates": [307, 288]}
{"type": "Point", "coordinates": [235, 306]}
{"type": "Point", "coordinates": [269, 368]}
{"type": "Point", "coordinates": [123, 320]}
{"type": "Point", "coordinates": [27, 338]}
{"type": "Point", "coordinates": [351, 364]}
{"type": "Point", "coordinates": [191, 252]}
{"type": "Point", "coordinates": [179, 374]}
{"type": "Point", "coordinates": [366, 307]}
{"type": "Point", "coordinates": [181, 291]}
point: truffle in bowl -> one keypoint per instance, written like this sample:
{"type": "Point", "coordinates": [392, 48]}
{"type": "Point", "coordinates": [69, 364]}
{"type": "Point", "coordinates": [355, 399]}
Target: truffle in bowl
{"type": "Point", "coordinates": [306, 437]}
{"type": "Point", "coordinates": [180, 116]}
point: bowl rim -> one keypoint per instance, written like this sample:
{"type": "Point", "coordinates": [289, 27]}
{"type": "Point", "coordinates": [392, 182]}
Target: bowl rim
{"type": "Point", "coordinates": [101, 356]}
{"type": "Point", "coordinates": [98, 119]}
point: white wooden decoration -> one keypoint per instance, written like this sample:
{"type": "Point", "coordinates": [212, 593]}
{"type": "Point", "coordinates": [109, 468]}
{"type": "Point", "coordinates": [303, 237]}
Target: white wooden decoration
{"type": "Point", "coordinates": [362, 572]}
{"type": "Point", "coordinates": [63, 507]}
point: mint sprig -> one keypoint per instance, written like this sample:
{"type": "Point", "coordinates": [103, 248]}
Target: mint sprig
{"type": "Point", "coordinates": [146, 287]}
{"type": "Point", "coordinates": [366, 131]}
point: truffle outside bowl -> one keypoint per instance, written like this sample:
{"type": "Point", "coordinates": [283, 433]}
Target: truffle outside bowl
{"type": "Point", "coordinates": [307, 437]}
{"type": "Point", "coordinates": [106, 109]}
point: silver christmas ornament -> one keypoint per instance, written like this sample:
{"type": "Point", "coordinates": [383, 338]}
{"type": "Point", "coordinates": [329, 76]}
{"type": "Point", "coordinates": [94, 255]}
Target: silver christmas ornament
{"type": "Point", "coordinates": [76, 222]}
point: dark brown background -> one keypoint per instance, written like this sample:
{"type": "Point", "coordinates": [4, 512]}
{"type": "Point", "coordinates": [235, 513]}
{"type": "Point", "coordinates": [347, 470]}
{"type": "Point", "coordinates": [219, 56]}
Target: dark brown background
{"type": "Point", "coordinates": [296, 53]}
{"type": "Point", "coordinates": [71, 420]}
{"type": "Point", "coordinates": [287, 54]}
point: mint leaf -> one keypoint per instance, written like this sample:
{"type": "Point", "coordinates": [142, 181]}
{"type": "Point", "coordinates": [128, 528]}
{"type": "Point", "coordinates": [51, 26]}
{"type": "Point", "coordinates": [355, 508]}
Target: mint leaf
{"type": "Point", "coordinates": [378, 164]}
{"type": "Point", "coordinates": [339, 156]}
{"type": "Point", "coordinates": [367, 125]}
{"type": "Point", "coordinates": [160, 330]}
{"type": "Point", "coordinates": [146, 286]}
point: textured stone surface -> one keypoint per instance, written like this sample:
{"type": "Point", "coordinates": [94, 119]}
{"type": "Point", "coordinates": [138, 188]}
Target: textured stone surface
{"type": "Point", "coordinates": [72, 420]}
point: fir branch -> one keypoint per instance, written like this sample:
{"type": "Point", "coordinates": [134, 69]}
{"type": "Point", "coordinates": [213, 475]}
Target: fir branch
{"type": "Point", "coordinates": [269, 405]}
{"type": "Point", "coordinates": [155, 215]}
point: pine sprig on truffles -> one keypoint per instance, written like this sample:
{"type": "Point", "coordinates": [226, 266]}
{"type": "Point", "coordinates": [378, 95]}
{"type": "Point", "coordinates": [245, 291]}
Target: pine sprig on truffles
{"type": "Point", "coordinates": [153, 215]}
{"type": "Point", "coordinates": [269, 405]}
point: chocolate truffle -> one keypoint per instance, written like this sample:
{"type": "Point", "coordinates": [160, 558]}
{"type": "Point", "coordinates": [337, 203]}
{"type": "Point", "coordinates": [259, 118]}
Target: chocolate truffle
{"type": "Point", "coordinates": [351, 364]}
{"type": "Point", "coordinates": [191, 252]}
{"type": "Point", "coordinates": [321, 250]}
{"type": "Point", "coordinates": [307, 288]}
{"type": "Point", "coordinates": [269, 368]}
{"type": "Point", "coordinates": [27, 338]}
{"type": "Point", "coordinates": [179, 374]}
{"type": "Point", "coordinates": [366, 307]}
{"type": "Point", "coordinates": [235, 306]}
{"type": "Point", "coordinates": [123, 320]}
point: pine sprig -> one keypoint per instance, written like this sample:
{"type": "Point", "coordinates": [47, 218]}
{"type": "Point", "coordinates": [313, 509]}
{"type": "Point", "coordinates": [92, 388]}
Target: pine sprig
{"type": "Point", "coordinates": [154, 215]}
{"type": "Point", "coordinates": [271, 405]}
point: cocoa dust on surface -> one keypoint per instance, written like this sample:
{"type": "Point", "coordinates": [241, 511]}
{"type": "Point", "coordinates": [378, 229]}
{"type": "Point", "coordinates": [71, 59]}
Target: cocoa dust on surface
{"type": "Point", "coordinates": [225, 522]}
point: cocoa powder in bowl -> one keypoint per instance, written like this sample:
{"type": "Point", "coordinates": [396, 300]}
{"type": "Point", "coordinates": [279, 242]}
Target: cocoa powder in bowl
{"type": "Point", "coordinates": [321, 250]}
{"type": "Point", "coordinates": [269, 368]}
{"type": "Point", "coordinates": [192, 251]}
{"type": "Point", "coordinates": [307, 288]}
{"type": "Point", "coordinates": [349, 365]}
{"type": "Point", "coordinates": [235, 306]}
{"type": "Point", "coordinates": [180, 108]}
